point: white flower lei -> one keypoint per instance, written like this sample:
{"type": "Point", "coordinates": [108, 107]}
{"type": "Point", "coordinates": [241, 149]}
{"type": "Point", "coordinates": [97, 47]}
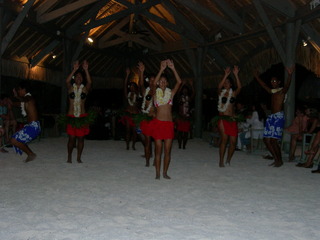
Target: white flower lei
{"type": "Point", "coordinates": [163, 98]}
{"type": "Point", "coordinates": [131, 103]}
{"type": "Point", "coordinates": [223, 107]}
{"type": "Point", "coordinates": [143, 107]}
{"type": "Point", "coordinates": [77, 99]}
{"type": "Point", "coordinates": [23, 110]}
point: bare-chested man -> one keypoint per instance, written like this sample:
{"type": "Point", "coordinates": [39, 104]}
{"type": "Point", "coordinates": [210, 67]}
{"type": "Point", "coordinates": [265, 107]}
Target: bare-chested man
{"type": "Point", "coordinates": [32, 129]}
{"type": "Point", "coordinates": [275, 122]}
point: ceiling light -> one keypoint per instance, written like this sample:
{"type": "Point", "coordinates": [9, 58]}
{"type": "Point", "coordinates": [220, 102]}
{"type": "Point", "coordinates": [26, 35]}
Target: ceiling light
{"type": "Point", "coordinates": [54, 56]}
{"type": "Point", "coordinates": [304, 43]}
{"type": "Point", "coordinates": [90, 40]}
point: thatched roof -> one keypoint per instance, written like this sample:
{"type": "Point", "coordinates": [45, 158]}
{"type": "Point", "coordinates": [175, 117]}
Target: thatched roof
{"type": "Point", "coordinates": [214, 33]}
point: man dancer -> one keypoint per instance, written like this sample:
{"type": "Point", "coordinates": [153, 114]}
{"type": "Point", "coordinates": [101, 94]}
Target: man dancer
{"type": "Point", "coordinates": [32, 129]}
{"type": "Point", "coordinates": [275, 122]}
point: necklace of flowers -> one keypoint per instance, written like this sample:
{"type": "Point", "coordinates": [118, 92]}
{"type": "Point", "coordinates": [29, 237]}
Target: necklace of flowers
{"type": "Point", "coordinates": [223, 107]}
{"type": "Point", "coordinates": [77, 99]}
{"type": "Point", "coordinates": [163, 98]}
{"type": "Point", "coordinates": [23, 110]}
{"type": "Point", "coordinates": [131, 103]}
{"type": "Point", "coordinates": [143, 107]}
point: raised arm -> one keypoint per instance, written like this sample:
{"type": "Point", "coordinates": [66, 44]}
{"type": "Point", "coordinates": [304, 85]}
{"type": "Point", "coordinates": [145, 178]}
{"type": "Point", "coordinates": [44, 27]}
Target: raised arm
{"type": "Point", "coordinates": [288, 82]}
{"type": "Point", "coordinates": [227, 72]}
{"type": "Point", "coordinates": [235, 71]}
{"type": "Point", "coordinates": [170, 65]}
{"type": "Point", "coordinates": [163, 66]}
{"type": "Point", "coordinates": [262, 83]}
{"type": "Point", "coordinates": [125, 86]}
{"type": "Point", "coordinates": [141, 68]}
{"type": "Point", "coordinates": [69, 78]}
{"type": "Point", "coordinates": [85, 67]}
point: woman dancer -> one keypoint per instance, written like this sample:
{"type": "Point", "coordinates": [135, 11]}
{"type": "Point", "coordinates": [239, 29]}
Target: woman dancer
{"type": "Point", "coordinates": [131, 93]}
{"type": "Point", "coordinates": [148, 112]}
{"type": "Point", "coordinates": [183, 122]}
{"type": "Point", "coordinates": [78, 120]}
{"type": "Point", "coordinates": [227, 124]}
{"type": "Point", "coordinates": [162, 125]}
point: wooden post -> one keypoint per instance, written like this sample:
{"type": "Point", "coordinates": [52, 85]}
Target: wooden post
{"type": "Point", "coordinates": [1, 37]}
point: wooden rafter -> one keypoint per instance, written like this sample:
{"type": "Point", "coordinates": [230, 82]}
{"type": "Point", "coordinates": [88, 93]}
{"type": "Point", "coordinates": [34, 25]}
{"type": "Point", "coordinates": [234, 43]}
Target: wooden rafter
{"type": "Point", "coordinates": [64, 10]}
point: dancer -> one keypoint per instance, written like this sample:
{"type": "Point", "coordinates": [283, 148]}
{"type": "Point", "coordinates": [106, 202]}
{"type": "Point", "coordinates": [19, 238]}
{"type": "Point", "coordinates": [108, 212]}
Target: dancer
{"type": "Point", "coordinates": [32, 129]}
{"type": "Point", "coordinates": [148, 111]}
{"type": "Point", "coordinates": [183, 122]}
{"type": "Point", "coordinates": [162, 125]}
{"type": "Point", "coordinates": [78, 120]}
{"type": "Point", "coordinates": [275, 122]}
{"type": "Point", "coordinates": [227, 123]}
{"type": "Point", "coordinates": [131, 93]}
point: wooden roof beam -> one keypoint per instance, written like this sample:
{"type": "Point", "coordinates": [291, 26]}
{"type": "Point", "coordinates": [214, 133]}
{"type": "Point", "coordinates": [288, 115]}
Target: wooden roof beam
{"type": "Point", "coordinates": [64, 10]}
{"type": "Point", "coordinates": [137, 9]}
{"type": "Point", "coordinates": [230, 12]}
{"type": "Point", "coordinates": [169, 25]}
{"type": "Point", "coordinates": [114, 30]}
{"type": "Point", "coordinates": [14, 28]}
{"type": "Point", "coordinates": [182, 20]}
{"type": "Point", "coordinates": [75, 28]}
{"type": "Point", "coordinates": [285, 7]}
{"type": "Point", "coordinates": [44, 52]}
{"type": "Point", "coordinates": [270, 30]}
{"type": "Point", "coordinates": [313, 35]}
{"type": "Point", "coordinates": [192, 4]}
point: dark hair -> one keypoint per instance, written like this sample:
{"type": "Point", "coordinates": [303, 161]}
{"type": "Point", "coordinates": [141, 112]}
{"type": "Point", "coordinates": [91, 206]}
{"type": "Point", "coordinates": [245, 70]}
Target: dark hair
{"type": "Point", "coordinates": [24, 85]}
{"type": "Point", "coordinates": [133, 84]}
{"type": "Point", "coordinates": [81, 72]}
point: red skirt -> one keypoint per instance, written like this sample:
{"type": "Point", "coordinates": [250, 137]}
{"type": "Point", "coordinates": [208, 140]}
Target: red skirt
{"type": "Point", "coordinates": [161, 130]}
{"type": "Point", "coordinates": [78, 132]}
{"type": "Point", "coordinates": [183, 125]}
{"type": "Point", "coordinates": [230, 127]}
{"type": "Point", "coordinates": [127, 120]}
{"type": "Point", "coordinates": [146, 128]}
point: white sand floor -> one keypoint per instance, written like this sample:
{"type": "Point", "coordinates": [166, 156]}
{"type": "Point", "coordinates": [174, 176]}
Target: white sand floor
{"type": "Point", "coordinates": [113, 196]}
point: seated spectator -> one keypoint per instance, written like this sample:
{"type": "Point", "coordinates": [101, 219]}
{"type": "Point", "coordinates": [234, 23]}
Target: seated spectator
{"type": "Point", "coordinates": [2, 133]}
{"type": "Point", "coordinates": [10, 121]}
{"type": "Point", "coordinates": [257, 123]}
{"type": "Point", "coordinates": [312, 152]}
{"type": "Point", "coordinates": [297, 128]}
{"type": "Point", "coordinates": [244, 141]}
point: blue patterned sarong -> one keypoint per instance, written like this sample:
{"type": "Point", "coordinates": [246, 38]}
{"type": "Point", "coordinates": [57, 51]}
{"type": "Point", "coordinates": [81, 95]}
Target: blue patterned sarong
{"type": "Point", "coordinates": [29, 132]}
{"type": "Point", "coordinates": [274, 126]}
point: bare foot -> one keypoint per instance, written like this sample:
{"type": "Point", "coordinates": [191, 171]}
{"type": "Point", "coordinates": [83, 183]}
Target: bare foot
{"type": "Point", "coordinates": [221, 165]}
{"type": "Point", "coordinates": [30, 158]}
{"type": "Point", "coordinates": [279, 164]}
{"type": "Point", "coordinates": [228, 163]}
{"type": "Point", "coordinates": [272, 164]}
{"type": "Point", "coordinates": [158, 177]}
{"type": "Point", "coordinates": [79, 161]}
{"type": "Point", "coordinates": [166, 176]}
{"type": "Point", "coordinates": [3, 150]}
{"type": "Point", "coordinates": [69, 161]}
